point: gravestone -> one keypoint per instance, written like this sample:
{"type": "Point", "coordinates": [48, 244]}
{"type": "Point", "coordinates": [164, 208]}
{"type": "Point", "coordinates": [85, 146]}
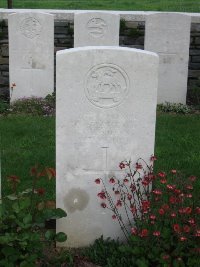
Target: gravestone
{"type": "Point", "coordinates": [106, 112]}
{"type": "Point", "coordinates": [168, 34]}
{"type": "Point", "coordinates": [96, 29]}
{"type": "Point", "coordinates": [31, 54]}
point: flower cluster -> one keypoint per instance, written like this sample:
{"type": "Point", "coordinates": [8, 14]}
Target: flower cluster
{"type": "Point", "coordinates": [160, 208]}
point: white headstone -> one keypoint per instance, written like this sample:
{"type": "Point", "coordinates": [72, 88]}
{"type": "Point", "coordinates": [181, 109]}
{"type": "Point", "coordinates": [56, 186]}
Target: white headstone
{"type": "Point", "coordinates": [106, 113]}
{"type": "Point", "coordinates": [168, 34]}
{"type": "Point", "coordinates": [96, 29]}
{"type": "Point", "coordinates": [31, 54]}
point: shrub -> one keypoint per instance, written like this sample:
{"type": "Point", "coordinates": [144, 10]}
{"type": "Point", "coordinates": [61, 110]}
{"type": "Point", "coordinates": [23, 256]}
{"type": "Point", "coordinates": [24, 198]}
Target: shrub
{"type": "Point", "coordinates": [163, 212]}
{"type": "Point", "coordinates": [174, 107]}
{"type": "Point", "coordinates": [23, 237]}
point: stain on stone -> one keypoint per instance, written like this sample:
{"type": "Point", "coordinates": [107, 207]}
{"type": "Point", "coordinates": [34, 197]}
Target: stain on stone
{"type": "Point", "coordinates": [76, 199]}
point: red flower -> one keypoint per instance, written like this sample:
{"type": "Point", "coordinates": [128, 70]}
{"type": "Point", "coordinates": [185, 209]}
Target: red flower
{"type": "Point", "coordinates": [177, 191]}
{"type": "Point", "coordinates": [157, 192]}
{"type": "Point", "coordinates": [189, 187]}
{"type": "Point", "coordinates": [138, 166]}
{"type": "Point", "coordinates": [186, 229]}
{"type": "Point", "coordinates": [176, 228]}
{"type": "Point", "coordinates": [165, 207]}
{"type": "Point", "coordinates": [103, 205]}
{"type": "Point", "coordinates": [114, 216]}
{"type": "Point", "coordinates": [192, 178]}
{"type": "Point", "coordinates": [197, 210]}
{"type": "Point", "coordinates": [165, 257]}
{"type": "Point", "coordinates": [152, 217]}
{"type": "Point", "coordinates": [197, 233]}
{"type": "Point", "coordinates": [161, 211]}
{"type": "Point", "coordinates": [188, 210]}
{"type": "Point", "coordinates": [163, 181]}
{"type": "Point", "coordinates": [173, 215]}
{"type": "Point", "coordinates": [97, 181]}
{"type": "Point", "coordinates": [183, 238]}
{"type": "Point", "coordinates": [162, 174]}
{"type": "Point", "coordinates": [171, 187]}
{"type": "Point", "coordinates": [129, 196]}
{"type": "Point", "coordinates": [133, 209]}
{"type": "Point", "coordinates": [40, 191]}
{"type": "Point", "coordinates": [145, 182]}
{"type": "Point", "coordinates": [134, 231]}
{"type": "Point", "coordinates": [119, 203]}
{"type": "Point", "coordinates": [122, 165]}
{"type": "Point", "coordinates": [173, 171]}
{"type": "Point", "coordinates": [173, 200]}
{"type": "Point", "coordinates": [13, 178]}
{"type": "Point", "coordinates": [144, 233]}
{"type": "Point", "coordinates": [102, 195]}
{"type": "Point", "coordinates": [145, 206]}
{"type": "Point", "coordinates": [188, 195]}
{"type": "Point", "coordinates": [156, 233]}
{"type": "Point", "coordinates": [112, 180]}
{"type": "Point", "coordinates": [191, 221]}
{"type": "Point", "coordinates": [126, 180]}
{"type": "Point", "coordinates": [153, 158]}
{"type": "Point", "coordinates": [132, 187]}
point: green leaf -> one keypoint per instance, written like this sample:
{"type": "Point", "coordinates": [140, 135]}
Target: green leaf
{"type": "Point", "coordinates": [27, 219]}
{"type": "Point", "coordinates": [12, 197]}
{"type": "Point", "coordinates": [49, 235]}
{"type": "Point", "coordinates": [61, 237]}
{"type": "Point", "coordinates": [59, 213]}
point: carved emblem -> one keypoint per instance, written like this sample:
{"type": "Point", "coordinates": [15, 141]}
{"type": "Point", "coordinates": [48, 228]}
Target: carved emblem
{"type": "Point", "coordinates": [96, 27]}
{"type": "Point", "coordinates": [106, 85]}
{"type": "Point", "coordinates": [30, 27]}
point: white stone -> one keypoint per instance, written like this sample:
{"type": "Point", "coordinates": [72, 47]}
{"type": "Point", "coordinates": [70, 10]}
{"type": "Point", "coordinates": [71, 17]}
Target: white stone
{"type": "Point", "coordinates": [168, 34]}
{"type": "Point", "coordinates": [106, 112]}
{"type": "Point", "coordinates": [31, 54]}
{"type": "Point", "coordinates": [96, 29]}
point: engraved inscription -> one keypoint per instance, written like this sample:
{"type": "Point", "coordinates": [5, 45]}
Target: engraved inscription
{"type": "Point", "coordinates": [106, 85]}
{"type": "Point", "coordinates": [96, 27]}
{"type": "Point", "coordinates": [30, 27]}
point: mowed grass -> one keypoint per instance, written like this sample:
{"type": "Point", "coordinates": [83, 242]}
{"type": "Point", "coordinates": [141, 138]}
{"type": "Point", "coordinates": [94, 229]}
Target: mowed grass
{"type": "Point", "coordinates": [156, 5]}
{"type": "Point", "coordinates": [26, 141]}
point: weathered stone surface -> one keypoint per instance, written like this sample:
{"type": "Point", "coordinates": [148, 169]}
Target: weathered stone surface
{"type": "Point", "coordinates": [31, 54]}
{"type": "Point", "coordinates": [194, 66]}
{"type": "Point", "coordinates": [106, 110]}
{"type": "Point", "coordinates": [196, 58]}
{"type": "Point", "coordinates": [4, 60]}
{"type": "Point", "coordinates": [96, 29]}
{"type": "Point", "coordinates": [168, 34]}
{"type": "Point", "coordinates": [194, 52]}
{"type": "Point", "coordinates": [4, 50]}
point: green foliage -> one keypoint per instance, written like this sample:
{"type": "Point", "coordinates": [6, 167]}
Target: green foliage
{"type": "Point", "coordinates": [4, 107]}
{"type": "Point", "coordinates": [163, 215]}
{"type": "Point", "coordinates": [174, 107]}
{"type": "Point", "coordinates": [23, 237]}
{"type": "Point", "coordinates": [34, 106]}
{"type": "Point", "coordinates": [108, 253]}
{"type": "Point", "coordinates": [156, 5]}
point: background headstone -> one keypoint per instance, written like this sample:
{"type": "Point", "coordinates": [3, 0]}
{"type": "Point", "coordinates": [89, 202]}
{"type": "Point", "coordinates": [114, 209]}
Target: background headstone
{"type": "Point", "coordinates": [106, 112]}
{"type": "Point", "coordinates": [168, 35]}
{"type": "Point", "coordinates": [96, 29]}
{"type": "Point", "coordinates": [31, 54]}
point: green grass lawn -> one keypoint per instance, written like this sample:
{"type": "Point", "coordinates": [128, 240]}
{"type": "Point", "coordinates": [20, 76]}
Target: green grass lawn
{"type": "Point", "coordinates": [26, 141]}
{"type": "Point", "coordinates": [157, 5]}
